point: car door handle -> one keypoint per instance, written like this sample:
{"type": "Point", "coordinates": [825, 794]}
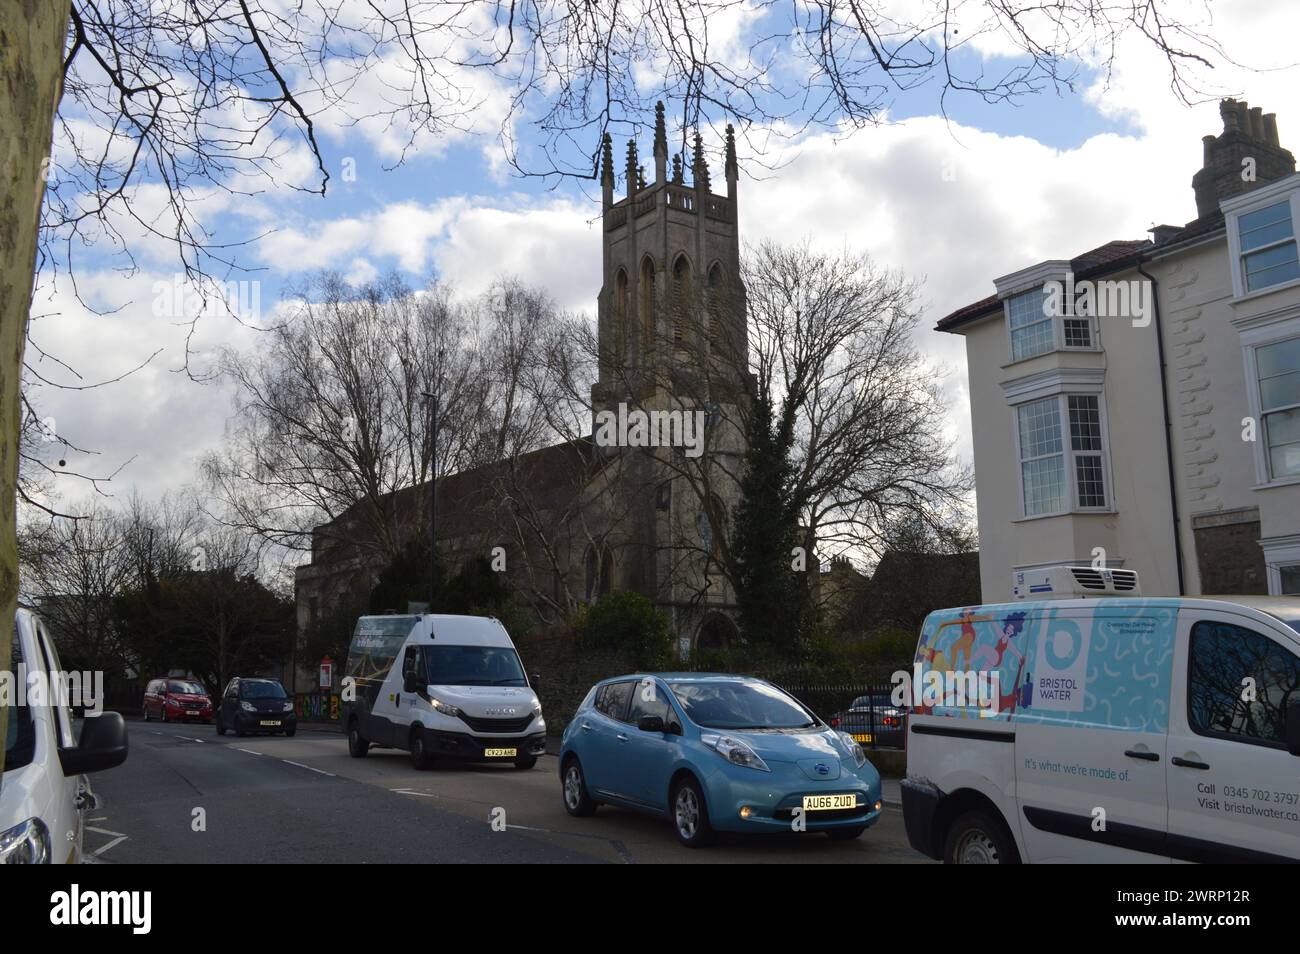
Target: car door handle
{"type": "Point", "coordinates": [1144, 756]}
{"type": "Point", "coordinates": [622, 738]}
{"type": "Point", "coordinates": [1189, 763]}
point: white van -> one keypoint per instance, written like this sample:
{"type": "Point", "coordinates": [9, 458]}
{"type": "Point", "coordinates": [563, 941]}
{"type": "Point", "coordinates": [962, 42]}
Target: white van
{"type": "Point", "coordinates": [440, 687]}
{"type": "Point", "coordinates": [44, 794]}
{"type": "Point", "coordinates": [1124, 728]}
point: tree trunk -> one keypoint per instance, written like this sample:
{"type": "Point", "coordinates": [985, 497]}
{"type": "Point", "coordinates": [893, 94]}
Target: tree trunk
{"type": "Point", "coordinates": [31, 80]}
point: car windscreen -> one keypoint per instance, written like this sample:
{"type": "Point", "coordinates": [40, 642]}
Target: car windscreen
{"type": "Point", "coordinates": [186, 688]}
{"type": "Point", "coordinates": [740, 705]}
{"type": "Point", "coordinates": [472, 666]}
{"type": "Point", "coordinates": [20, 732]}
{"type": "Point", "coordinates": [261, 690]}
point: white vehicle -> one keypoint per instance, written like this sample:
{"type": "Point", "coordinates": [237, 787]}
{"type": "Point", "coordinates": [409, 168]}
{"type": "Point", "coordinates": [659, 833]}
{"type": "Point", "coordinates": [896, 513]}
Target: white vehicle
{"type": "Point", "coordinates": [441, 687]}
{"type": "Point", "coordinates": [44, 794]}
{"type": "Point", "coordinates": [1106, 730]}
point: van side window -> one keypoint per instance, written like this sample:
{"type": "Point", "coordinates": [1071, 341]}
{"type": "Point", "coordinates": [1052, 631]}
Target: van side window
{"type": "Point", "coordinates": [1223, 657]}
{"type": "Point", "coordinates": [612, 699]}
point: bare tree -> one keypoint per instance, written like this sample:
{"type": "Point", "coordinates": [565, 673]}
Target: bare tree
{"type": "Point", "coordinates": [833, 347]}
{"type": "Point", "coordinates": [73, 570]}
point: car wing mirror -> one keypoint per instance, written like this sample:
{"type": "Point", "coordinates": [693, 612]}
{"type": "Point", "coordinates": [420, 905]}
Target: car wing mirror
{"type": "Point", "coordinates": [102, 745]}
{"type": "Point", "coordinates": [534, 679]}
{"type": "Point", "coordinates": [409, 683]}
{"type": "Point", "coordinates": [651, 724]}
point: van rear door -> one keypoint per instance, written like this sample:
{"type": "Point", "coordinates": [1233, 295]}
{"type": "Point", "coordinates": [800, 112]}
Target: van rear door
{"type": "Point", "coordinates": [1091, 725]}
{"type": "Point", "coordinates": [1234, 790]}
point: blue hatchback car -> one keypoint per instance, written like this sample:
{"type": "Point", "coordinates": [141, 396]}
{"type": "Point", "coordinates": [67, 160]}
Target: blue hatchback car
{"type": "Point", "coordinates": [714, 752]}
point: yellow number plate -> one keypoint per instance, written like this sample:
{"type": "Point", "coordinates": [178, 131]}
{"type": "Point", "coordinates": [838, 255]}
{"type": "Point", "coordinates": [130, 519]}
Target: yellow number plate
{"type": "Point", "coordinates": [499, 753]}
{"type": "Point", "coordinates": [821, 803]}
{"type": "Point", "coordinates": [861, 736]}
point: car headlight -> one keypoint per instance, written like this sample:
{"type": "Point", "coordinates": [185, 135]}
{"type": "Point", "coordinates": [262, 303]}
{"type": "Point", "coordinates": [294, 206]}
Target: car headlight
{"type": "Point", "coordinates": [288, 707]}
{"type": "Point", "coordinates": [537, 707]}
{"type": "Point", "coordinates": [27, 843]}
{"type": "Point", "coordinates": [440, 706]}
{"type": "Point", "coordinates": [736, 751]}
{"type": "Point", "coordinates": [248, 707]}
{"type": "Point", "coordinates": [855, 750]}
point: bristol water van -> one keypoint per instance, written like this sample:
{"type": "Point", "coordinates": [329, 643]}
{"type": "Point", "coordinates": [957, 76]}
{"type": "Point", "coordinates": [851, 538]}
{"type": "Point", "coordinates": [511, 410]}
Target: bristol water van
{"type": "Point", "coordinates": [1105, 727]}
{"type": "Point", "coordinates": [440, 687]}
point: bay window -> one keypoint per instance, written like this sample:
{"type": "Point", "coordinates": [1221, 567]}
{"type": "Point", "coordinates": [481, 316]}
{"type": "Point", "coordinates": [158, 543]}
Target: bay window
{"type": "Point", "coordinates": [1062, 454]}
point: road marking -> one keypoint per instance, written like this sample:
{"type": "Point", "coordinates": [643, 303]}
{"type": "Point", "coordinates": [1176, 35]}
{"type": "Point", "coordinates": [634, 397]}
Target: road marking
{"type": "Point", "coordinates": [104, 831]}
{"type": "Point", "coordinates": [407, 791]}
{"type": "Point", "coordinates": [250, 751]}
{"type": "Point", "coordinates": [309, 768]}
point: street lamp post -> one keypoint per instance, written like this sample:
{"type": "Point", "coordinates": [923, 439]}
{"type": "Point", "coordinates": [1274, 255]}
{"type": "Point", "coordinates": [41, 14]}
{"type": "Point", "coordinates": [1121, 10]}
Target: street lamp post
{"type": "Point", "coordinates": [433, 497]}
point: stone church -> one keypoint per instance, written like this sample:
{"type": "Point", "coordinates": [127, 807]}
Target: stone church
{"type": "Point", "coordinates": [638, 512]}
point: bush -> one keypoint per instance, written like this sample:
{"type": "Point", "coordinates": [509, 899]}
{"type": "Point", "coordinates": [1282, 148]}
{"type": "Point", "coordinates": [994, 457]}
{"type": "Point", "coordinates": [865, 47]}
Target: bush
{"type": "Point", "coordinates": [629, 624]}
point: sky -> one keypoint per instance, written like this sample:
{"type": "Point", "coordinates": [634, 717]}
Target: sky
{"type": "Point", "coordinates": [952, 200]}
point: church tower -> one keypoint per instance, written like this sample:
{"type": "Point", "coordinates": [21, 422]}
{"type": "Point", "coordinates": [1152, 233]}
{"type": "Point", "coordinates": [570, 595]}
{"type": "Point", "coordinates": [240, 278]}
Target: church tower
{"type": "Point", "coordinates": [673, 338]}
{"type": "Point", "coordinates": [671, 308]}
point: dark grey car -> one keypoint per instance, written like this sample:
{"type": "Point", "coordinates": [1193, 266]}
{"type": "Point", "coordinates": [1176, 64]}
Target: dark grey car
{"type": "Point", "coordinates": [250, 706]}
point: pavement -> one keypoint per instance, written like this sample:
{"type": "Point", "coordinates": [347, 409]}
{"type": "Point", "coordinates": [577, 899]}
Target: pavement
{"type": "Point", "coordinates": [187, 794]}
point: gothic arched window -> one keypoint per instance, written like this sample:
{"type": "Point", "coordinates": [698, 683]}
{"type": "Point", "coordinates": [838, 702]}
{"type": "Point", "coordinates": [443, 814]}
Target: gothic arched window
{"type": "Point", "coordinates": [717, 309]}
{"type": "Point", "coordinates": [683, 299]}
{"type": "Point", "coordinates": [620, 318]}
{"type": "Point", "coordinates": [647, 294]}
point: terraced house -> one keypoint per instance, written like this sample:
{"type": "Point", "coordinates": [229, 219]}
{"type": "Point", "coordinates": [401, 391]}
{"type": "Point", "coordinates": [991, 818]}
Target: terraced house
{"type": "Point", "coordinates": [1138, 405]}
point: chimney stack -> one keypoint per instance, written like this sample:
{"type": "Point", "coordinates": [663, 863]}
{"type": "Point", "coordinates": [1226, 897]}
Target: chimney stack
{"type": "Point", "coordinates": [1245, 155]}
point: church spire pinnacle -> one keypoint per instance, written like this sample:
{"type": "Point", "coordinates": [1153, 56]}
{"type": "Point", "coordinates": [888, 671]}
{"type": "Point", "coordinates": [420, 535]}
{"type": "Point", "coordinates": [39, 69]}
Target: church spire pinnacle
{"type": "Point", "coordinates": [607, 170]}
{"type": "Point", "coordinates": [631, 167]}
{"type": "Point", "coordinates": [699, 167]}
{"type": "Point", "coordinates": [661, 144]}
{"type": "Point", "coordinates": [732, 170]}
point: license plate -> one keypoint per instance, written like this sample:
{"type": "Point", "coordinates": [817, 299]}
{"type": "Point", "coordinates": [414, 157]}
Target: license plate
{"type": "Point", "coordinates": [499, 753]}
{"type": "Point", "coordinates": [821, 803]}
{"type": "Point", "coordinates": [192, 712]}
{"type": "Point", "coordinates": [861, 736]}
{"type": "Point", "coordinates": [270, 722]}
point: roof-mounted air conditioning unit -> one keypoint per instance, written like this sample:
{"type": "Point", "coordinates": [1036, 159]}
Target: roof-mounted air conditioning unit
{"type": "Point", "coordinates": [1072, 582]}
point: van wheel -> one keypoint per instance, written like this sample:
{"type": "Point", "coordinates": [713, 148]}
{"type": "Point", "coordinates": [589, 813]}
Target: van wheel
{"type": "Point", "coordinates": [358, 746]}
{"type": "Point", "coordinates": [690, 814]}
{"type": "Point", "coordinates": [525, 761]}
{"type": "Point", "coordinates": [574, 786]}
{"type": "Point", "coordinates": [221, 729]}
{"type": "Point", "coordinates": [420, 757]}
{"type": "Point", "coordinates": [980, 838]}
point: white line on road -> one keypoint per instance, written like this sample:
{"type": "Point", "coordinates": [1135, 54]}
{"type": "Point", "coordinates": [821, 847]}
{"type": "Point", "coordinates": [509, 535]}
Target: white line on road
{"type": "Point", "coordinates": [407, 791]}
{"type": "Point", "coordinates": [250, 751]}
{"type": "Point", "coordinates": [309, 768]}
{"type": "Point", "coordinates": [117, 840]}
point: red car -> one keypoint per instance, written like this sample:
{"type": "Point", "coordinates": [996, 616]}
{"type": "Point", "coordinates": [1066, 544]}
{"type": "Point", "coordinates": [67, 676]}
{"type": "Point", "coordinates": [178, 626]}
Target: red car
{"type": "Point", "coordinates": [176, 700]}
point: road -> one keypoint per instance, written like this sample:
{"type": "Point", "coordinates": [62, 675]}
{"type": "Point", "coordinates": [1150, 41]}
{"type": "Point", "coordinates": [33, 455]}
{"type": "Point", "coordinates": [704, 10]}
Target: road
{"type": "Point", "coordinates": [304, 800]}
